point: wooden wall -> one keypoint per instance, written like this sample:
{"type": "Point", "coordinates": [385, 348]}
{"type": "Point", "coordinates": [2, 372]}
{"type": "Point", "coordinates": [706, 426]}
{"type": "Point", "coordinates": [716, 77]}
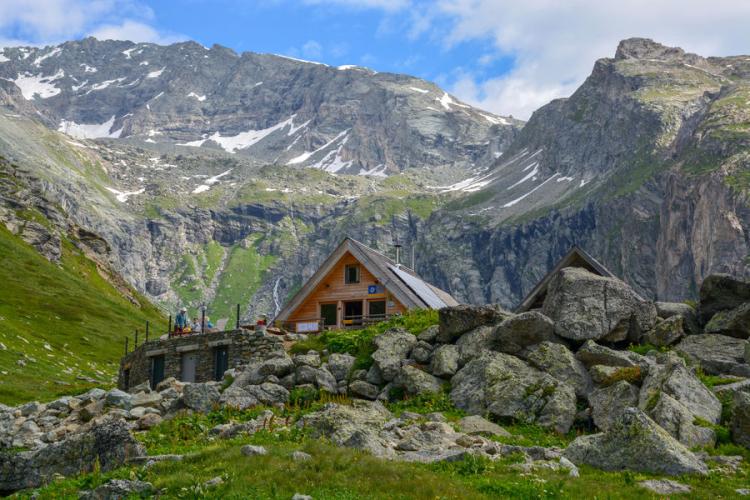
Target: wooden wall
{"type": "Point", "coordinates": [333, 289]}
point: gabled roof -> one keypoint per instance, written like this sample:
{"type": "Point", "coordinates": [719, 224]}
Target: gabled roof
{"type": "Point", "coordinates": [576, 257]}
{"type": "Point", "coordinates": [405, 285]}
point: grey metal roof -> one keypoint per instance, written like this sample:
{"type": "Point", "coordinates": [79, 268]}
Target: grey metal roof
{"type": "Point", "coordinates": [419, 287]}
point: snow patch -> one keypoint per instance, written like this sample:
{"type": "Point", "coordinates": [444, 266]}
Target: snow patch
{"type": "Point", "coordinates": [243, 140]}
{"type": "Point", "coordinates": [156, 74]}
{"type": "Point", "coordinates": [513, 202]}
{"type": "Point", "coordinates": [377, 171]}
{"type": "Point", "coordinates": [76, 88]}
{"type": "Point", "coordinates": [495, 120]}
{"type": "Point", "coordinates": [421, 91]}
{"type": "Point", "coordinates": [307, 154]}
{"type": "Point", "coordinates": [90, 131]}
{"type": "Point", "coordinates": [564, 179]}
{"type": "Point", "coordinates": [2, 56]}
{"type": "Point", "coordinates": [447, 101]}
{"type": "Point", "coordinates": [201, 98]}
{"type": "Point", "coordinates": [527, 176]}
{"type": "Point", "coordinates": [143, 63]}
{"type": "Point", "coordinates": [54, 52]}
{"type": "Point", "coordinates": [210, 182]}
{"type": "Point", "coordinates": [122, 196]}
{"type": "Point", "coordinates": [33, 86]}
{"type": "Point", "coordinates": [127, 53]}
{"type": "Point", "coordinates": [88, 69]}
{"type": "Point", "coordinates": [103, 85]}
{"type": "Point", "coordinates": [301, 60]}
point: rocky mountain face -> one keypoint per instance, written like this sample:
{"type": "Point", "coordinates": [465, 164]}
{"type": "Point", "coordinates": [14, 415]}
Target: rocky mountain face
{"type": "Point", "coordinates": [223, 178]}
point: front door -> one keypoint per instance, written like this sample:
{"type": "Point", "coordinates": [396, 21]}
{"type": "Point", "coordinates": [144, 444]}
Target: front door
{"type": "Point", "coordinates": [157, 370]}
{"type": "Point", "coordinates": [353, 313]}
{"type": "Point", "coordinates": [328, 313]}
{"type": "Point", "coordinates": [221, 362]}
{"type": "Point", "coordinates": [189, 364]}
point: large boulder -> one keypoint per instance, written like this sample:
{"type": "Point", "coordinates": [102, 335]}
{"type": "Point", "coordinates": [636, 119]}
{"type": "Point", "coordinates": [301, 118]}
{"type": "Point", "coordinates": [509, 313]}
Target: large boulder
{"type": "Point", "coordinates": [279, 366]}
{"type": "Point", "coordinates": [519, 332]}
{"type": "Point", "coordinates": [716, 354]}
{"type": "Point", "coordinates": [505, 386]}
{"type": "Point", "coordinates": [415, 381]}
{"type": "Point", "coordinates": [609, 403]}
{"type": "Point", "coordinates": [340, 365]}
{"type": "Point", "coordinates": [635, 442]}
{"type": "Point", "coordinates": [365, 390]}
{"type": "Point", "coordinates": [393, 347]}
{"type": "Point", "coordinates": [557, 360]}
{"type": "Point", "coordinates": [200, 397]}
{"type": "Point", "coordinates": [473, 344]}
{"type": "Point", "coordinates": [457, 320]}
{"type": "Point", "coordinates": [676, 419]}
{"type": "Point", "coordinates": [356, 425]}
{"type": "Point", "coordinates": [319, 377]}
{"type": "Point", "coordinates": [444, 361]}
{"type": "Point", "coordinates": [687, 312]}
{"type": "Point", "coordinates": [666, 332]}
{"type": "Point", "coordinates": [107, 445]}
{"type": "Point", "coordinates": [586, 306]}
{"type": "Point", "coordinates": [733, 323]}
{"type": "Point", "coordinates": [591, 354]}
{"type": "Point", "coordinates": [740, 424]}
{"type": "Point", "coordinates": [269, 393]}
{"type": "Point", "coordinates": [721, 292]}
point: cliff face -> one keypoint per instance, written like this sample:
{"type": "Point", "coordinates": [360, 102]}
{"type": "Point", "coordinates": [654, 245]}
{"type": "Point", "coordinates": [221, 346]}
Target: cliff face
{"type": "Point", "coordinates": [210, 187]}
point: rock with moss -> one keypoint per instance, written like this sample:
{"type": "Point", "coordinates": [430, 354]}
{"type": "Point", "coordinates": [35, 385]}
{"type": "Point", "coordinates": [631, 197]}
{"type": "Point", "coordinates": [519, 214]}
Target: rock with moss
{"type": "Point", "coordinates": [475, 424]}
{"type": "Point", "coordinates": [591, 353]}
{"type": "Point", "coordinates": [201, 397]}
{"type": "Point", "coordinates": [517, 333]}
{"type": "Point", "coordinates": [119, 488]}
{"type": "Point", "coordinates": [445, 361]}
{"type": "Point", "coordinates": [677, 419]}
{"type": "Point", "coordinates": [392, 347]}
{"type": "Point", "coordinates": [740, 424]}
{"type": "Point", "coordinates": [237, 397]}
{"type": "Point", "coordinates": [733, 323]}
{"type": "Point", "coordinates": [457, 320]}
{"type": "Point", "coordinates": [586, 306]}
{"type": "Point", "coordinates": [362, 389]}
{"type": "Point", "coordinates": [608, 403]}
{"type": "Point", "coordinates": [666, 310]}
{"type": "Point", "coordinates": [505, 386]}
{"type": "Point", "coordinates": [415, 381]}
{"type": "Point", "coordinates": [556, 360]}
{"type": "Point", "coordinates": [340, 365]}
{"type": "Point", "coordinates": [422, 352]}
{"type": "Point", "coordinates": [635, 442]}
{"type": "Point", "coordinates": [716, 354]}
{"type": "Point", "coordinates": [721, 292]}
{"type": "Point", "coordinates": [473, 344]}
{"type": "Point", "coordinates": [429, 334]}
{"type": "Point", "coordinates": [666, 332]}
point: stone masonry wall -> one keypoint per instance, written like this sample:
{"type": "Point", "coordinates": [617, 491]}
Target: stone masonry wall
{"type": "Point", "coordinates": [243, 347]}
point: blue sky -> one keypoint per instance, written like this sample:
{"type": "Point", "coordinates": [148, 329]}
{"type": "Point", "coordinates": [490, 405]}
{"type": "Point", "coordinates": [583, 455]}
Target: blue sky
{"type": "Point", "coordinates": [506, 56]}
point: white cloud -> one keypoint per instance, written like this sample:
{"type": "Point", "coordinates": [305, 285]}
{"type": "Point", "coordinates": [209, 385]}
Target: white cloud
{"type": "Point", "coordinates": [312, 49]}
{"type": "Point", "coordinates": [135, 32]}
{"type": "Point", "coordinates": [41, 22]}
{"type": "Point", "coordinates": [556, 43]}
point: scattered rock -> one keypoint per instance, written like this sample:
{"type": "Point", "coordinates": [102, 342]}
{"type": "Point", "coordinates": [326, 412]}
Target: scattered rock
{"type": "Point", "coordinates": [688, 314]}
{"type": "Point", "coordinates": [148, 421]}
{"type": "Point", "coordinates": [445, 361]}
{"type": "Point", "coordinates": [471, 345]}
{"type": "Point", "coordinates": [237, 397]}
{"type": "Point", "coordinates": [609, 403]}
{"type": "Point", "coordinates": [586, 306]}
{"type": "Point", "coordinates": [300, 496]}
{"type": "Point", "coordinates": [362, 389]}
{"type": "Point", "coordinates": [278, 366]}
{"type": "Point", "coordinates": [340, 365]}
{"type": "Point", "coordinates": [732, 323]}
{"type": "Point", "coordinates": [721, 292]}
{"type": "Point", "coordinates": [145, 399]}
{"type": "Point", "coordinates": [250, 450]}
{"type": "Point", "coordinates": [268, 393]}
{"type": "Point", "coordinates": [117, 489]}
{"type": "Point", "coordinates": [592, 353]}
{"type": "Point", "coordinates": [429, 335]}
{"type": "Point", "coordinates": [505, 386]}
{"type": "Point", "coordinates": [676, 419]}
{"type": "Point", "coordinates": [474, 424]}
{"type": "Point", "coordinates": [301, 456]}
{"type": "Point", "coordinates": [664, 486]}
{"type": "Point", "coordinates": [415, 381]}
{"type": "Point", "coordinates": [518, 332]}
{"type": "Point", "coordinates": [740, 424]}
{"type": "Point", "coordinates": [118, 398]}
{"type": "Point", "coordinates": [200, 397]}
{"type": "Point", "coordinates": [635, 442]}
{"type": "Point", "coordinates": [214, 482]}
{"type": "Point", "coordinates": [312, 358]}
{"type": "Point", "coordinates": [457, 320]}
{"type": "Point", "coordinates": [556, 360]}
{"type": "Point", "coordinates": [422, 352]}
{"type": "Point", "coordinates": [666, 332]}
{"type": "Point", "coordinates": [393, 346]}
{"type": "Point", "coordinates": [716, 354]}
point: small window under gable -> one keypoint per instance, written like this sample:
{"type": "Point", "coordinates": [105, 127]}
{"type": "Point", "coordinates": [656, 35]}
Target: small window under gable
{"type": "Point", "coordinates": [351, 274]}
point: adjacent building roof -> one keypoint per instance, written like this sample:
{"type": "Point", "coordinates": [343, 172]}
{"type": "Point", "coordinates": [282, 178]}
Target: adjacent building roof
{"type": "Point", "coordinates": [576, 257]}
{"type": "Point", "coordinates": [405, 285]}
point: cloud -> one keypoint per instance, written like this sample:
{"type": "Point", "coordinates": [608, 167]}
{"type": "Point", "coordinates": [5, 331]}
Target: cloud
{"type": "Point", "coordinates": [554, 44]}
{"type": "Point", "coordinates": [387, 5]}
{"type": "Point", "coordinates": [312, 49]}
{"type": "Point", "coordinates": [135, 32]}
{"type": "Point", "coordinates": [41, 22]}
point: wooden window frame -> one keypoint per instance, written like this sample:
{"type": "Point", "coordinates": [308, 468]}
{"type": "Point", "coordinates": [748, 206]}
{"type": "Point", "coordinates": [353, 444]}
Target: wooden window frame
{"type": "Point", "coordinates": [346, 274]}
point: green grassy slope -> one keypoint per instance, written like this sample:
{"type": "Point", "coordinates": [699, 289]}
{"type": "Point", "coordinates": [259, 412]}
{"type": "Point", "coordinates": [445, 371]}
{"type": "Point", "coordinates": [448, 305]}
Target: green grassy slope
{"type": "Point", "coordinates": [64, 321]}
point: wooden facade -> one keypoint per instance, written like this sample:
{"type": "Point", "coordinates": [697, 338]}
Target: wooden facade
{"type": "Point", "coordinates": [334, 290]}
{"type": "Point", "coordinates": [357, 285]}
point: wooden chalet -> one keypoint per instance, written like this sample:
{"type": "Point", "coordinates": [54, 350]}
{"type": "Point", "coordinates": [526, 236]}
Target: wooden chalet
{"type": "Point", "coordinates": [576, 257]}
{"type": "Point", "coordinates": [357, 285]}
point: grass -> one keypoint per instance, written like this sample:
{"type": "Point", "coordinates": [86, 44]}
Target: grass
{"type": "Point", "coordinates": [359, 342]}
{"type": "Point", "coordinates": [65, 321]}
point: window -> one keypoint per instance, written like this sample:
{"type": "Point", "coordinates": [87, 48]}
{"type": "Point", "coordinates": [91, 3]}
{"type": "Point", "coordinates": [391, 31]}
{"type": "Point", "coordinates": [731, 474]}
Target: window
{"type": "Point", "coordinates": [377, 309]}
{"type": "Point", "coordinates": [351, 274]}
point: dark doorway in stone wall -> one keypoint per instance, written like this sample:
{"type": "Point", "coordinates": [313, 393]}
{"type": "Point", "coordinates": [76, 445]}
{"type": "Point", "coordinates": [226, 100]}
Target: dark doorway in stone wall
{"type": "Point", "coordinates": [221, 361]}
{"type": "Point", "coordinates": [157, 370]}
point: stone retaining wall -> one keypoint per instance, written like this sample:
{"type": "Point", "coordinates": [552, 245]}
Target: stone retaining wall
{"type": "Point", "coordinates": [243, 346]}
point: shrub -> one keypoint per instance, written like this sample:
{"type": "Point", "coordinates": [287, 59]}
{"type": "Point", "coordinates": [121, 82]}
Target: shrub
{"type": "Point", "coordinates": [630, 374]}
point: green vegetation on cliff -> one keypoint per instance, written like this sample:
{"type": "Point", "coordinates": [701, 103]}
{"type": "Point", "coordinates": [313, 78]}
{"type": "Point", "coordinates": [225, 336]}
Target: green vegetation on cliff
{"type": "Point", "coordinates": [62, 327]}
